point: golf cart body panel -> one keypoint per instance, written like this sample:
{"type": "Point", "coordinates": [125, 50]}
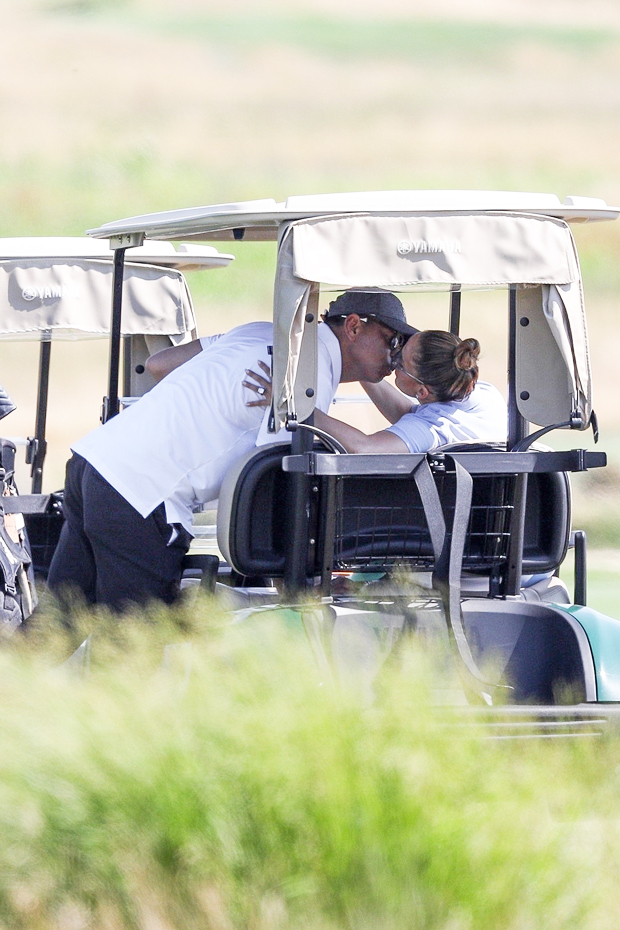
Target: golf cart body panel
{"type": "Point", "coordinates": [602, 634]}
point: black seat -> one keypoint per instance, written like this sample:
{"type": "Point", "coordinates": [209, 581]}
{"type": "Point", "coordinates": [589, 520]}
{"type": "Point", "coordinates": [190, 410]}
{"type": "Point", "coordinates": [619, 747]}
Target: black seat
{"type": "Point", "coordinates": [547, 522]}
{"type": "Point", "coordinates": [252, 513]}
{"type": "Point", "coordinates": [380, 519]}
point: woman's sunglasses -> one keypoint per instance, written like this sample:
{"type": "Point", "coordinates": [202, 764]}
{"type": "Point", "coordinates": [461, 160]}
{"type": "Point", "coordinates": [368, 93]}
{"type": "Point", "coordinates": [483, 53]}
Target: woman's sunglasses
{"type": "Point", "coordinates": [397, 363]}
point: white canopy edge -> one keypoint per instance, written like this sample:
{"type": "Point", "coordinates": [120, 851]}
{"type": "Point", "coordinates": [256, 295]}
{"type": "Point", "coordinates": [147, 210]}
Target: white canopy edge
{"type": "Point", "coordinates": [261, 219]}
{"type": "Point", "coordinates": [187, 257]}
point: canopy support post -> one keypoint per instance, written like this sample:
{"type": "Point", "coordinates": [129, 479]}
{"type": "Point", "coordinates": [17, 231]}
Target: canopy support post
{"type": "Point", "coordinates": [298, 505]}
{"type": "Point", "coordinates": [517, 429]}
{"type": "Point", "coordinates": [517, 425]}
{"type": "Point", "coordinates": [126, 366]}
{"type": "Point", "coordinates": [37, 444]}
{"type": "Point", "coordinates": [455, 309]}
{"type": "Point", "coordinates": [120, 244]}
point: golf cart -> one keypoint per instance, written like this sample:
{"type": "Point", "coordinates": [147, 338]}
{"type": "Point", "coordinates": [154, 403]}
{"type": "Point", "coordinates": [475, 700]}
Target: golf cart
{"type": "Point", "coordinates": [450, 534]}
{"type": "Point", "coordinates": [59, 288]}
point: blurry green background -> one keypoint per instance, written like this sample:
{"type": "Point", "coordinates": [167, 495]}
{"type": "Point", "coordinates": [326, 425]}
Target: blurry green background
{"type": "Point", "coordinates": [116, 107]}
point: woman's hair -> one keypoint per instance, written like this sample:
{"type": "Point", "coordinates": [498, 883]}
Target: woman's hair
{"type": "Point", "coordinates": [447, 365]}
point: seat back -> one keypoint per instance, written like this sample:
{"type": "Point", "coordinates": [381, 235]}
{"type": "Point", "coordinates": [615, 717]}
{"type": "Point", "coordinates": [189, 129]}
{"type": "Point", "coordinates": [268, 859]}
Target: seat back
{"type": "Point", "coordinates": [252, 515]}
{"type": "Point", "coordinates": [380, 522]}
{"type": "Point", "coordinates": [547, 522]}
{"type": "Point", "coordinates": [7, 457]}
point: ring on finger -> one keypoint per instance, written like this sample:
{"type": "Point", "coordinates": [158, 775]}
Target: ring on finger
{"type": "Point", "coordinates": [261, 391]}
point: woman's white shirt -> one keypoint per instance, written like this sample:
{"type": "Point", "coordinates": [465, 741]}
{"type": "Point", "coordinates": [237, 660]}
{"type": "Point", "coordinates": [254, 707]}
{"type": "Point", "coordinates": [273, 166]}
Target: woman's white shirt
{"type": "Point", "coordinates": [482, 415]}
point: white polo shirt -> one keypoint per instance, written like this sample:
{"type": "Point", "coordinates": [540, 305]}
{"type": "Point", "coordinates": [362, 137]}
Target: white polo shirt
{"type": "Point", "coordinates": [176, 443]}
{"type": "Point", "coordinates": [481, 415]}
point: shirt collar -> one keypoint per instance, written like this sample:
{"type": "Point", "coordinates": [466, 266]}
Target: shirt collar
{"type": "Point", "coordinates": [332, 345]}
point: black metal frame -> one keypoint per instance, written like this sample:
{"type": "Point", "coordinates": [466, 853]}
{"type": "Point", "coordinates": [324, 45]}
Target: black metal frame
{"type": "Point", "coordinates": [37, 444]}
{"type": "Point", "coordinates": [120, 244]}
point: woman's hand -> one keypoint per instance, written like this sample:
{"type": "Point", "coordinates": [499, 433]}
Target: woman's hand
{"type": "Point", "coordinates": [261, 385]}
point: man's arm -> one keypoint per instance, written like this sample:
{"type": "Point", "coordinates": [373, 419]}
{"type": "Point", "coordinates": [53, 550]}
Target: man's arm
{"type": "Point", "coordinates": [354, 440]}
{"type": "Point", "coordinates": [392, 403]}
{"type": "Point", "coordinates": [166, 360]}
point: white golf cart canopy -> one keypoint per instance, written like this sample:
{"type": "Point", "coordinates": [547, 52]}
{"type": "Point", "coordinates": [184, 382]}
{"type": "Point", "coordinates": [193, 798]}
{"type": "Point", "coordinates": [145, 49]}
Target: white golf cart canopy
{"type": "Point", "coordinates": [63, 285]}
{"type": "Point", "coordinates": [411, 241]}
{"type": "Point", "coordinates": [262, 219]}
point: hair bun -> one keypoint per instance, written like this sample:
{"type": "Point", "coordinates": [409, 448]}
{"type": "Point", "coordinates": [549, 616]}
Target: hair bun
{"type": "Point", "coordinates": [466, 354]}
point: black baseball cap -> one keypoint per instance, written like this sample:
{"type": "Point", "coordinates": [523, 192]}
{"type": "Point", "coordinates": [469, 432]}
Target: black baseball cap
{"type": "Point", "coordinates": [382, 306]}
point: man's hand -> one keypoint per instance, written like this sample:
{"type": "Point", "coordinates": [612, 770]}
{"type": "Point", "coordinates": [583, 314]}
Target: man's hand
{"type": "Point", "coordinates": [261, 385]}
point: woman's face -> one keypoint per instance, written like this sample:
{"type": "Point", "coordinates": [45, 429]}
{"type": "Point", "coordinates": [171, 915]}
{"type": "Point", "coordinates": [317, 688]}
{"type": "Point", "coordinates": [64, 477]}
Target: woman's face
{"type": "Point", "coordinates": [405, 370]}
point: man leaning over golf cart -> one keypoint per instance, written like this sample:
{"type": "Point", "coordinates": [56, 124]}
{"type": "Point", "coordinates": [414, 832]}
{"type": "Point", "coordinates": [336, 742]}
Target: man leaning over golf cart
{"type": "Point", "coordinates": [437, 369]}
{"type": "Point", "coordinates": [133, 484]}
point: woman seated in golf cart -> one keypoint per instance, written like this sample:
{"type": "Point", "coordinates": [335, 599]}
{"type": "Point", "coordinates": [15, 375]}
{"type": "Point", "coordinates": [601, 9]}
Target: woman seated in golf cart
{"type": "Point", "coordinates": [438, 370]}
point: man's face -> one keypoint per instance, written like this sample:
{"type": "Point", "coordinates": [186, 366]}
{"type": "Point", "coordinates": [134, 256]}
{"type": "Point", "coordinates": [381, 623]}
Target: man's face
{"type": "Point", "coordinates": [371, 350]}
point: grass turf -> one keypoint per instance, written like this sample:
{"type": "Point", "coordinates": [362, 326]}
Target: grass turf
{"type": "Point", "coordinates": [220, 783]}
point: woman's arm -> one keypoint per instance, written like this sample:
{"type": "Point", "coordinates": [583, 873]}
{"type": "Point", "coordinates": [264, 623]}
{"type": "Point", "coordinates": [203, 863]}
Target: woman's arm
{"type": "Point", "coordinates": [354, 440]}
{"type": "Point", "coordinates": [166, 360]}
{"type": "Point", "coordinates": [392, 403]}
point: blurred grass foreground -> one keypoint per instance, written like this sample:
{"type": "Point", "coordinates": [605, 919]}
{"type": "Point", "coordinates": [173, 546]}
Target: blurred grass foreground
{"type": "Point", "coordinates": [201, 775]}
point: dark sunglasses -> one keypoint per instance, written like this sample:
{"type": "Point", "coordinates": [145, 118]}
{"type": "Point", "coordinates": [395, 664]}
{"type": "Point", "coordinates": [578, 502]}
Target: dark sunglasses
{"type": "Point", "coordinates": [397, 340]}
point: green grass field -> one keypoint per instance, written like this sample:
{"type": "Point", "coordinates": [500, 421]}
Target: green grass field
{"type": "Point", "coordinates": [221, 783]}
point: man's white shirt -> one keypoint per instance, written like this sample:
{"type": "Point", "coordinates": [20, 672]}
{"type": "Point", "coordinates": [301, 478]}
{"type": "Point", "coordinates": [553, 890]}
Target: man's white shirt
{"type": "Point", "coordinates": [177, 442]}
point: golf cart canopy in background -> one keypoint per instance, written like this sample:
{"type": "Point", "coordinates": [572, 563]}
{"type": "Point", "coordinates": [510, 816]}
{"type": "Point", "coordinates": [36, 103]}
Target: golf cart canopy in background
{"type": "Point", "coordinates": [63, 285]}
{"type": "Point", "coordinates": [411, 241]}
{"type": "Point", "coordinates": [60, 287]}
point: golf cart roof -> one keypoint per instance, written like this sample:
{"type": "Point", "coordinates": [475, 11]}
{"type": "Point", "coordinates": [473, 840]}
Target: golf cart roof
{"type": "Point", "coordinates": [184, 258]}
{"type": "Point", "coordinates": [62, 285]}
{"type": "Point", "coordinates": [261, 219]}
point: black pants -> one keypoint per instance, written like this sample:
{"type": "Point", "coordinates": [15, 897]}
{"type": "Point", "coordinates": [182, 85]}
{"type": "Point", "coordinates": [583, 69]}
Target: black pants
{"type": "Point", "coordinates": [108, 551]}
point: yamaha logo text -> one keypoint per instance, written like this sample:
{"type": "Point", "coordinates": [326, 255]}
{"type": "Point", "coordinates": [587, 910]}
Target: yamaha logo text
{"type": "Point", "coordinates": [421, 246]}
{"type": "Point", "coordinates": [43, 293]}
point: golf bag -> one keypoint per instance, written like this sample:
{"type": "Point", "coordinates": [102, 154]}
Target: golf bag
{"type": "Point", "coordinates": [17, 589]}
